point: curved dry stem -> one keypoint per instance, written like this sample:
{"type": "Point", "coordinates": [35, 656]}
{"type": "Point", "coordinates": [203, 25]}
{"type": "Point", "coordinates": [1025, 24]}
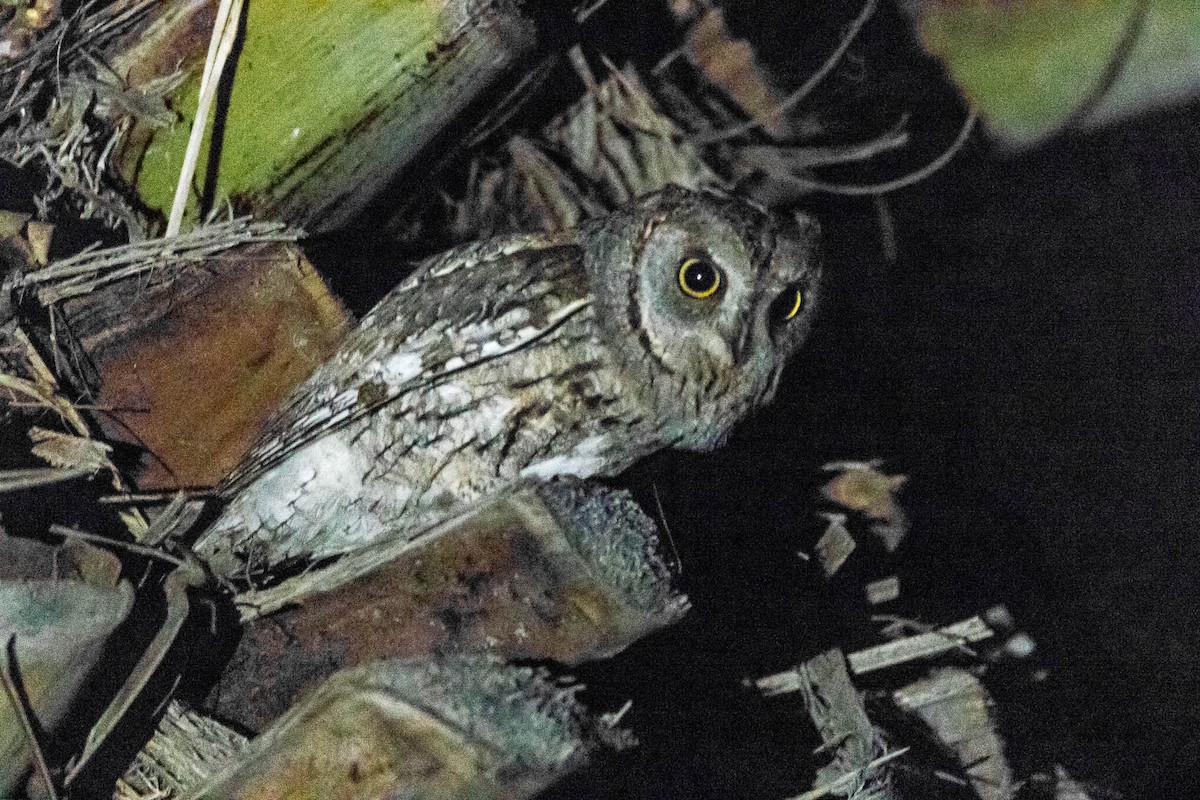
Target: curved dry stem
{"type": "Point", "coordinates": [1113, 69]}
{"type": "Point", "coordinates": [142, 550]}
{"type": "Point", "coordinates": [803, 158]}
{"type": "Point", "coordinates": [866, 190]}
{"type": "Point", "coordinates": [798, 96]}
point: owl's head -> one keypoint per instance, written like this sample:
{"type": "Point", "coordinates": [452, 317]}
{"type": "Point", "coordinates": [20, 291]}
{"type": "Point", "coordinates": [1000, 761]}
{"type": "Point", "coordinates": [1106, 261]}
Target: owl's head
{"type": "Point", "coordinates": [703, 297]}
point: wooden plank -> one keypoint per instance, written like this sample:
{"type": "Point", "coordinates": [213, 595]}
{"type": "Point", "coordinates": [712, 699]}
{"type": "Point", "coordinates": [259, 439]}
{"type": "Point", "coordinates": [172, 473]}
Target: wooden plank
{"type": "Point", "coordinates": [922, 645]}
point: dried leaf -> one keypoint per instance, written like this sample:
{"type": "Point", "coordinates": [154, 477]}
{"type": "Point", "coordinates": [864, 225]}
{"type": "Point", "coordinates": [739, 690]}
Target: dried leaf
{"type": "Point", "coordinates": [860, 486]}
{"type": "Point", "coordinates": [12, 223]}
{"type": "Point", "coordinates": [66, 451]}
{"type": "Point", "coordinates": [882, 591]}
{"type": "Point", "coordinates": [43, 390]}
{"type": "Point", "coordinates": [731, 64]}
{"type": "Point", "coordinates": [39, 235]}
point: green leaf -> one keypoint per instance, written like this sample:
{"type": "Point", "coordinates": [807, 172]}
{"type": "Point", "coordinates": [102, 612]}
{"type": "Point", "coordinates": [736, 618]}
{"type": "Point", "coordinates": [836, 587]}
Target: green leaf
{"type": "Point", "coordinates": [1033, 66]}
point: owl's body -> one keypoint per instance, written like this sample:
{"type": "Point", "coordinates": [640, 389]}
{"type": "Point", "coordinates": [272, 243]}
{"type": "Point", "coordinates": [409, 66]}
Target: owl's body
{"type": "Point", "coordinates": [524, 358]}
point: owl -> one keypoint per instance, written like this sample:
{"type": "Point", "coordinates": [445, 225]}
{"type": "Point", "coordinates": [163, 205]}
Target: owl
{"type": "Point", "coordinates": [526, 358]}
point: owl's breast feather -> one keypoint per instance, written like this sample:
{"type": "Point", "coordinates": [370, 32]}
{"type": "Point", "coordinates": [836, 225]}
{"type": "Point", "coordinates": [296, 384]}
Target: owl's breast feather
{"type": "Point", "coordinates": [584, 460]}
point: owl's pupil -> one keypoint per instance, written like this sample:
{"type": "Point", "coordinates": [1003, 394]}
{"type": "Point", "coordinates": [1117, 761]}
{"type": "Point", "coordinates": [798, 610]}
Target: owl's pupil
{"type": "Point", "coordinates": [699, 277]}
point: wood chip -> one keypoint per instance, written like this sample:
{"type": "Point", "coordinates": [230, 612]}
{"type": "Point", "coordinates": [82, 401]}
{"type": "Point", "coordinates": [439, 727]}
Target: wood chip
{"type": "Point", "coordinates": [835, 545]}
{"type": "Point", "coordinates": [883, 591]}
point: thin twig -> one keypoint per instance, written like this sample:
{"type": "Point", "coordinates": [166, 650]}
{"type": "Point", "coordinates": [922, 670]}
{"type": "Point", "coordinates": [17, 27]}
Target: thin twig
{"type": "Point", "coordinates": [149, 498]}
{"type": "Point", "coordinates": [149, 552]}
{"type": "Point", "coordinates": [168, 521]}
{"type": "Point", "coordinates": [798, 96]}
{"type": "Point", "coordinates": [13, 480]}
{"type": "Point", "coordinates": [18, 702]}
{"type": "Point", "coordinates": [584, 13]}
{"type": "Point", "coordinates": [807, 157]}
{"type": "Point", "coordinates": [842, 780]}
{"type": "Point", "coordinates": [667, 528]}
{"type": "Point", "coordinates": [220, 45]}
{"type": "Point", "coordinates": [866, 190]}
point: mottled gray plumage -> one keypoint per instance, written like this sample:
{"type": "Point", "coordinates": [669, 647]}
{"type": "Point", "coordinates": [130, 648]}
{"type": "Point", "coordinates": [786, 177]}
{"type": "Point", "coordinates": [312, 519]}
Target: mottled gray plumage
{"type": "Point", "coordinates": [525, 358]}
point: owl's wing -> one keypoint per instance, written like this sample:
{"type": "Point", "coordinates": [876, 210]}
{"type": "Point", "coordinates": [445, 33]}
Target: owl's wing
{"type": "Point", "coordinates": [458, 310]}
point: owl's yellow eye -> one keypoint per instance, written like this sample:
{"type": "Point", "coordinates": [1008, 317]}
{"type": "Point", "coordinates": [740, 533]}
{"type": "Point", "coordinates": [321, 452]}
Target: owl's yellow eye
{"type": "Point", "coordinates": [796, 306]}
{"type": "Point", "coordinates": [787, 305]}
{"type": "Point", "coordinates": [699, 278]}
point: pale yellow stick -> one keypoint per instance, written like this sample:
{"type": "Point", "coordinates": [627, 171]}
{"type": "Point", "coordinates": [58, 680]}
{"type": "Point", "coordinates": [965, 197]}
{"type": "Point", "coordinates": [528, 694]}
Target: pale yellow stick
{"type": "Point", "coordinates": [224, 33]}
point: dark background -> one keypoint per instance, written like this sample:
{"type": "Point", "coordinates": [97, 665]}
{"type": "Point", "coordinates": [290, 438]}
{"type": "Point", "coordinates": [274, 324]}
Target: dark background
{"type": "Point", "coordinates": [1047, 307]}
{"type": "Point", "coordinates": [1030, 360]}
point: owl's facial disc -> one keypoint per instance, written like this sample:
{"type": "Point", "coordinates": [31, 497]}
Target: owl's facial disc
{"type": "Point", "coordinates": [719, 286]}
{"type": "Point", "coordinates": [690, 291]}
{"type": "Point", "coordinates": [720, 293]}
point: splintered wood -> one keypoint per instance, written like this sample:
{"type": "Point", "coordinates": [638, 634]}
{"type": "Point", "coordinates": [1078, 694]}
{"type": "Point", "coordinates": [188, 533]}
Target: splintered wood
{"type": "Point", "coordinates": [439, 728]}
{"type": "Point", "coordinates": [860, 754]}
{"type": "Point", "coordinates": [618, 145]}
{"type": "Point", "coordinates": [186, 750]}
{"type": "Point", "coordinates": [557, 572]}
